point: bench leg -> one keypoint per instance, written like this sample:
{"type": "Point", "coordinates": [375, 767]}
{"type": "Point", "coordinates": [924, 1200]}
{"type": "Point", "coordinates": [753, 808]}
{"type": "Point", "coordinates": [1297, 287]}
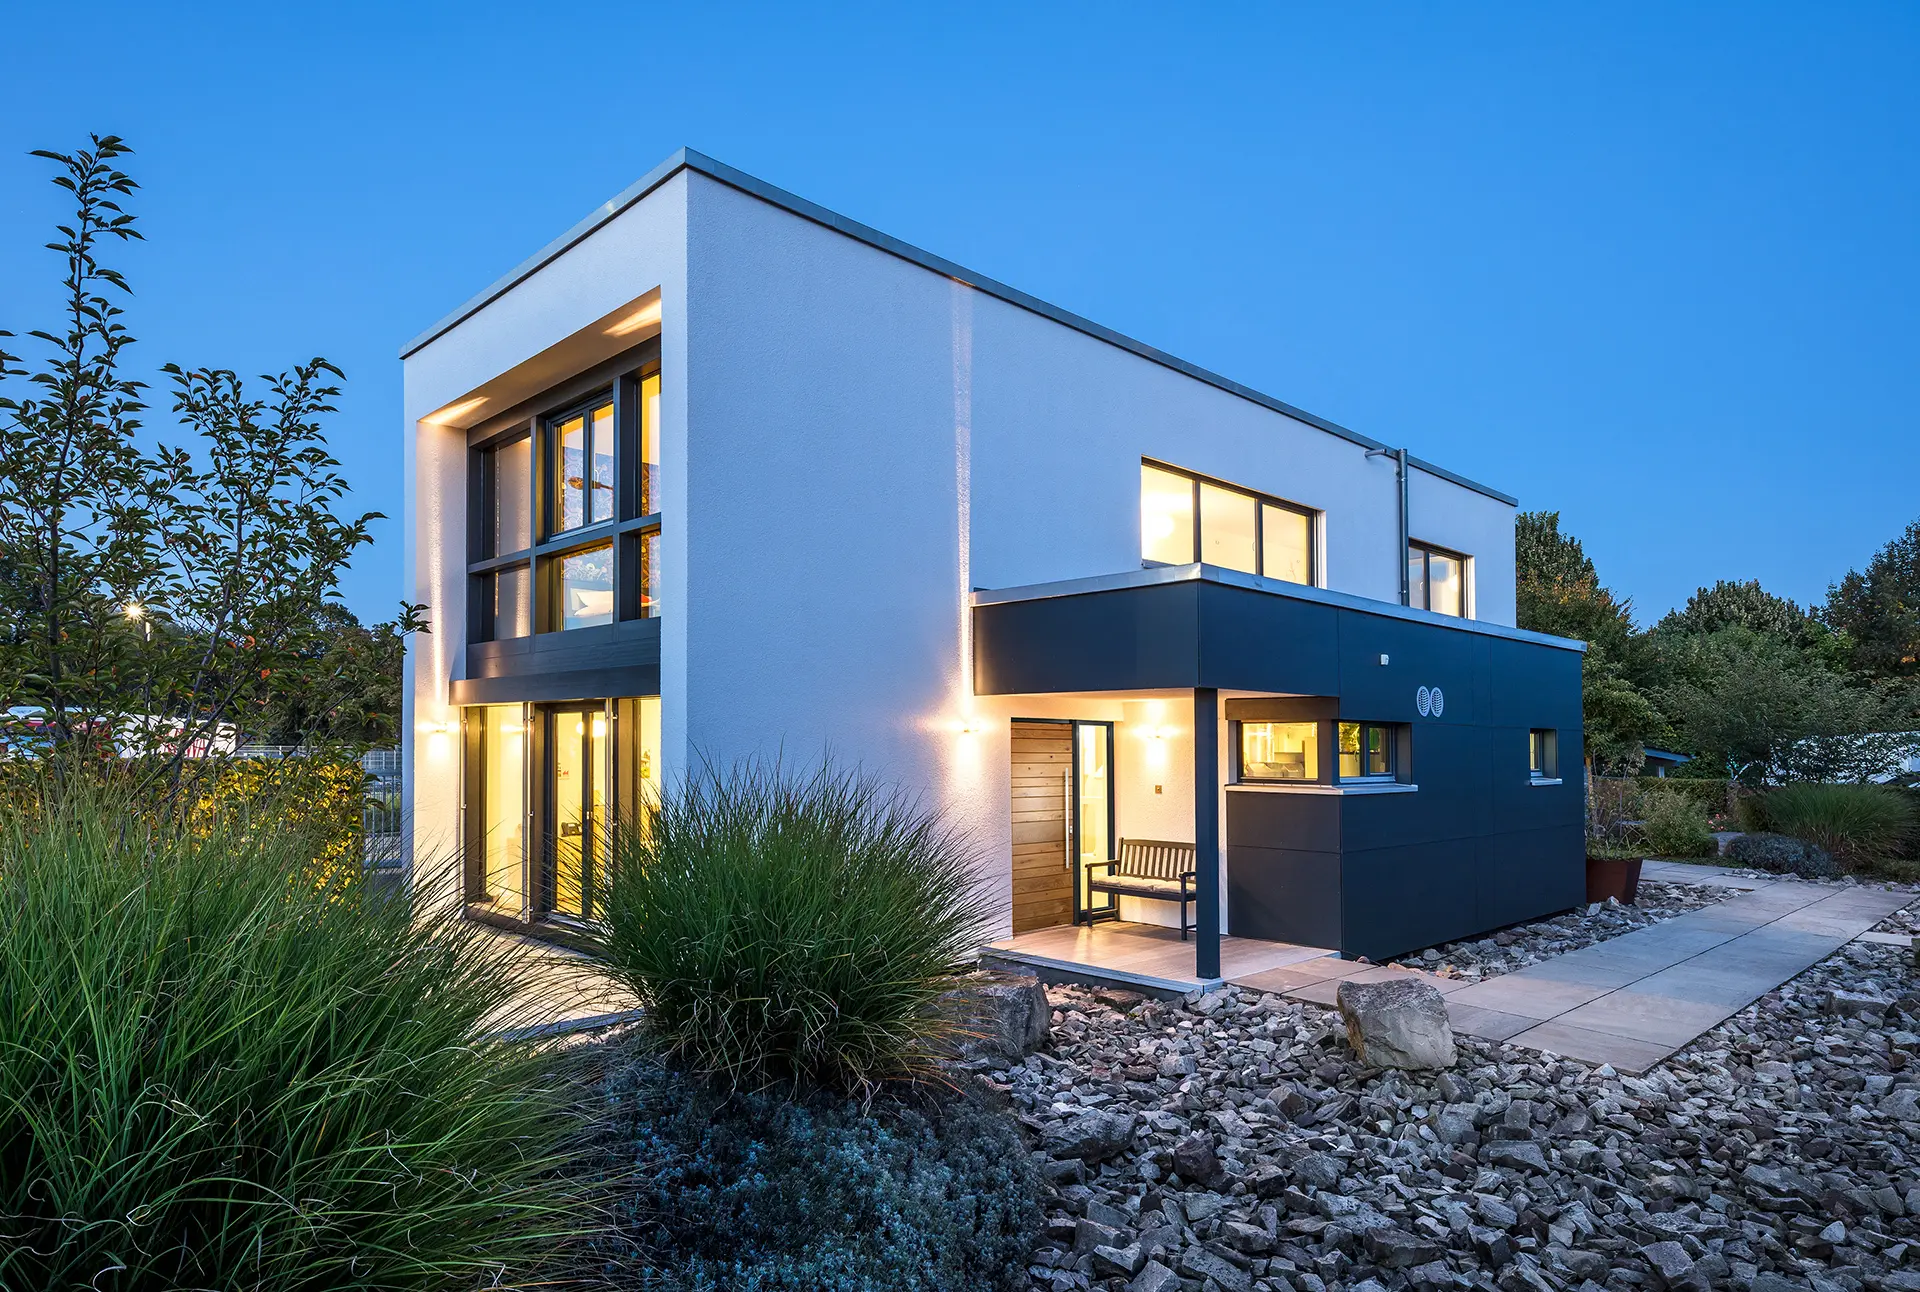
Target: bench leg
{"type": "Point", "coordinates": [1183, 919]}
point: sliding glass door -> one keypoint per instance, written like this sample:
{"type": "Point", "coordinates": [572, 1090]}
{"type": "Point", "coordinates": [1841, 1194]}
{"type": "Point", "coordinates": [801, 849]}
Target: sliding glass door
{"type": "Point", "coordinates": [579, 776]}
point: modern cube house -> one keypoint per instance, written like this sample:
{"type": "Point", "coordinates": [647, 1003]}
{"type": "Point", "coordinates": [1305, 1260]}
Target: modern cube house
{"type": "Point", "coordinates": [722, 474]}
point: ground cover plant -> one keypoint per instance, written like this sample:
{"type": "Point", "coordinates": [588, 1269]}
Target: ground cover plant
{"type": "Point", "coordinates": [223, 1064]}
{"type": "Point", "coordinates": [793, 930]}
{"type": "Point", "coordinates": [923, 1189]}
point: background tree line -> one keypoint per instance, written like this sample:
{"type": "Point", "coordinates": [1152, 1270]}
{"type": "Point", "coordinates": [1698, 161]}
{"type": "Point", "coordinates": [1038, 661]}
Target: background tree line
{"type": "Point", "coordinates": [160, 595]}
{"type": "Point", "coordinates": [1750, 684]}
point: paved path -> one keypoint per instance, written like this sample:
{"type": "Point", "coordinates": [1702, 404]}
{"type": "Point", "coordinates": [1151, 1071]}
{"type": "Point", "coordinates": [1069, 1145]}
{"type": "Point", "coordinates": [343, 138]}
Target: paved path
{"type": "Point", "coordinates": [1633, 1000]}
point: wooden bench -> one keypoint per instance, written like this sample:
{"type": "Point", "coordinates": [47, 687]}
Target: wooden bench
{"type": "Point", "coordinates": [1152, 868]}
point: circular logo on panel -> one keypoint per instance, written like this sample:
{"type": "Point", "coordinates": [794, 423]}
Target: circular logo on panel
{"type": "Point", "coordinates": [1431, 701]}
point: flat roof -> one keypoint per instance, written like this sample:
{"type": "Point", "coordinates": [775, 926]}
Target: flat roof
{"type": "Point", "coordinates": [700, 163]}
{"type": "Point", "coordinates": [1159, 575]}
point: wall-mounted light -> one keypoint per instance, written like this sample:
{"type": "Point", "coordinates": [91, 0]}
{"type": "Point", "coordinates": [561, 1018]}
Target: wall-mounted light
{"type": "Point", "coordinates": [646, 316]}
{"type": "Point", "coordinates": [436, 728]}
{"type": "Point", "coordinates": [454, 412]}
{"type": "Point", "coordinates": [971, 725]}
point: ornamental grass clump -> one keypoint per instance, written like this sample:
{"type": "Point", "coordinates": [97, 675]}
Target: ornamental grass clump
{"type": "Point", "coordinates": [1675, 825]}
{"type": "Point", "coordinates": [793, 930]}
{"type": "Point", "coordinates": [225, 1064]}
{"type": "Point", "coordinates": [1853, 822]}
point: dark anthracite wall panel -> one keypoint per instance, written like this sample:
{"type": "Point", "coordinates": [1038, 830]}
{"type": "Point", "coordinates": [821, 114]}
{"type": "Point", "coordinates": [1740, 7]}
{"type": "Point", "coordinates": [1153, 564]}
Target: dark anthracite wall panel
{"type": "Point", "coordinates": [1284, 895]}
{"type": "Point", "coordinates": [1398, 899]}
{"type": "Point", "coordinates": [1525, 875]}
{"type": "Point", "coordinates": [1417, 655]}
{"type": "Point", "coordinates": [1278, 819]}
{"type": "Point", "coordinates": [1103, 641]}
{"type": "Point", "coordinates": [1255, 641]}
{"type": "Point", "coordinates": [1477, 846]}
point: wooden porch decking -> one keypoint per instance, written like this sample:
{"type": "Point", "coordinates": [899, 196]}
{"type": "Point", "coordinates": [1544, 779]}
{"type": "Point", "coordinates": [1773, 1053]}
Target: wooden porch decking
{"type": "Point", "coordinates": [1146, 957]}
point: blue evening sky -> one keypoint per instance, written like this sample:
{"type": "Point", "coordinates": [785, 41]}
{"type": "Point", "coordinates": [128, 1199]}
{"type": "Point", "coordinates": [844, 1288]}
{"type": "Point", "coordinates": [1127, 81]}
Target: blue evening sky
{"type": "Point", "coordinates": [1656, 266]}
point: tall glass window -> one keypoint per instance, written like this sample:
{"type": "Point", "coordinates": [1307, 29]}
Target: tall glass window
{"type": "Point", "coordinates": [1280, 751]}
{"type": "Point", "coordinates": [583, 467]}
{"type": "Point", "coordinates": [1286, 542]}
{"type": "Point", "coordinates": [1436, 580]}
{"type": "Point", "coordinates": [1166, 516]}
{"type": "Point", "coordinates": [584, 588]}
{"type": "Point", "coordinates": [503, 806]}
{"type": "Point", "coordinates": [650, 445]}
{"type": "Point", "coordinates": [512, 602]}
{"type": "Point", "coordinates": [1228, 529]}
{"type": "Point", "coordinates": [511, 466]}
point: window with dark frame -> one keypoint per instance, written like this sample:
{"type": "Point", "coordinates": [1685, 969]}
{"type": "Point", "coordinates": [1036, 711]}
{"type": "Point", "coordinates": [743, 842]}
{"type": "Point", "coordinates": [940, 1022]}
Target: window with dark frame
{"type": "Point", "coordinates": [1437, 580]}
{"type": "Point", "coordinates": [567, 514]}
{"type": "Point", "coordinates": [1366, 752]}
{"type": "Point", "coordinates": [1543, 755]}
{"type": "Point", "coordinates": [1186, 517]}
{"type": "Point", "coordinates": [1288, 752]}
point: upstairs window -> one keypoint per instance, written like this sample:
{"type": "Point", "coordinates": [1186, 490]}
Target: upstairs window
{"type": "Point", "coordinates": [581, 444]}
{"type": "Point", "coordinates": [1436, 580]}
{"type": "Point", "coordinates": [1185, 518]}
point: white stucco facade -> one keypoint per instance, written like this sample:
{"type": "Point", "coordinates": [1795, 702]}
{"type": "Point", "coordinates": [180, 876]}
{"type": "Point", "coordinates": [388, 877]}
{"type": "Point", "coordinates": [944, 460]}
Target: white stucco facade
{"type": "Point", "coordinates": [853, 440]}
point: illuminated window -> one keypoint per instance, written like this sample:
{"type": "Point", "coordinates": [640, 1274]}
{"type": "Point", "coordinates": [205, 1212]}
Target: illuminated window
{"type": "Point", "coordinates": [1436, 580]}
{"type": "Point", "coordinates": [1366, 751]}
{"type": "Point", "coordinates": [583, 588]}
{"type": "Point", "coordinates": [582, 445]}
{"type": "Point", "coordinates": [1543, 754]}
{"type": "Point", "coordinates": [1280, 751]}
{"type": "Point", "coordinates": [650, 445]}
{"type": "Point", "coordinates": [1237, 530]}
{"type": "Point", "coordinates": [1166, 516]}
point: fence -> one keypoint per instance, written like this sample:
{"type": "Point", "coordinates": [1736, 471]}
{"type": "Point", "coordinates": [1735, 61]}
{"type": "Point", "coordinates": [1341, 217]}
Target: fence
{"type": "Point", "coordinates": [380, 816]}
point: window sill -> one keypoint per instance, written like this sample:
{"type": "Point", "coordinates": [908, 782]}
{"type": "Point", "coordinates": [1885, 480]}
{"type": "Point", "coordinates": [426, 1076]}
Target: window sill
{"type": "Point", "coordinates": [1545, 780]}
{"type": "Point", "coordinates": [1383, 787]}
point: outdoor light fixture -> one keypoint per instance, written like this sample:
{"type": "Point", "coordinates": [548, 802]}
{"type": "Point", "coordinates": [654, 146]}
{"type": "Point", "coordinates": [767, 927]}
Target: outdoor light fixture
{"type": "Point", "coordinates": [970, 725]}
{"type": "Point", "coordinates": [454, 412]}
{"type": "Point", "coordinates": [436, 728]}
{"type": "Point", "coordinates": [646, 316]}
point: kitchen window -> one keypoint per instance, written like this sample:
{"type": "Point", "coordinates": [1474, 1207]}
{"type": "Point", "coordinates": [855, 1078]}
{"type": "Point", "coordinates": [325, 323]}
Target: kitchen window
{"type": "Point", "coordinates": [1366, 751]}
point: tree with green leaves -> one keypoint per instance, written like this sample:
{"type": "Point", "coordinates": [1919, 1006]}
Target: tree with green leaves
{"type": "Point", "coordinates": [161, 598]}
{"type": "Point", "coordinates": [1878, 609]}
{"type": "Point", "coordinates": [1558, 591]}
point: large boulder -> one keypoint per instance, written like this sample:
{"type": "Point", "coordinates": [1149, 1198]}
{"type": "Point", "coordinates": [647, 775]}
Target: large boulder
{"type": "Point", "coordinates": [1002, 1017]}
{"type": "Point", "coordinates": [1398, 1023]}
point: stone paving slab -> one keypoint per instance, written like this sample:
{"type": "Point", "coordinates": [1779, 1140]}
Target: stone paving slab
{"type": "Point", "coordinates": [1633, 1000]}
{"type": "Point", "coordinates": [1690, 974]}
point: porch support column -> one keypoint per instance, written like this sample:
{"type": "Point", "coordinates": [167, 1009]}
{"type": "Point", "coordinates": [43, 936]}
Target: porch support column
{"type": "Point", "coordinates": [1206, 830]}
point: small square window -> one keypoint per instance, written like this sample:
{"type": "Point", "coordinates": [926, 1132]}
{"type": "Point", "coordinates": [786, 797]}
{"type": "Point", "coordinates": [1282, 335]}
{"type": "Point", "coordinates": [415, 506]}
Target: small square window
{"type": "Point", "coordinates": [1366, 752]}
{"type": "Point", "coordinates": [1543, 754]}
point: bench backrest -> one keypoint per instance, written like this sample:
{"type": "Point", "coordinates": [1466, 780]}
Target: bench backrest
{"type": "Point", "coordinates": [1154, 859]}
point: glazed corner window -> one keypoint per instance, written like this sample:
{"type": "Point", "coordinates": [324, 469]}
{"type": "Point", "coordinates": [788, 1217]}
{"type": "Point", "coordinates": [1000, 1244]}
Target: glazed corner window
{"type": "Point", "coordinates": [649, 445]}
{"type": "Point", "coordinates": [581, 443]}
{"type": "Point", "coordinates": [1366, 752]}
{"type": "Point", "coordinates": [510, 607]}
{"type": "Point", "coordinates": [1543, 754]}
{"type": "Point", "coordinates": [1280, 751]}
{"type": "Point", "coordinates": [509, 497]}
{"type": "Point", "coordinates": [583, 588]}
{"type": "Point", "coordinates": [1185, 518]}
{"type": "Point", "coordinates": [1436, 580]}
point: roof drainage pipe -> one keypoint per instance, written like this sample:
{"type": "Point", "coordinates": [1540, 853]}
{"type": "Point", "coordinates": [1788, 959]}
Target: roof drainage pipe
{"type": "Point", "coordinates": [1399, 457]}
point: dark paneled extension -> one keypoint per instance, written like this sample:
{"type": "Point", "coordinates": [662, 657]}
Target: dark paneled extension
{"type": "Point", "coordinates": [1468, 842]}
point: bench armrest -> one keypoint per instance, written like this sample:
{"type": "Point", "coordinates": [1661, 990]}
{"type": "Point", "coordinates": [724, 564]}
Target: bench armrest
{"type": "Point", "coordinates": [1091, 862]}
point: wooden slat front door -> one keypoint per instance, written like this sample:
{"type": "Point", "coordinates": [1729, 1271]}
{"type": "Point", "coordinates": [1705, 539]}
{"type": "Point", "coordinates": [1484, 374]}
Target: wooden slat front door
{"type": "Point", "coordinates": [1042, 877]}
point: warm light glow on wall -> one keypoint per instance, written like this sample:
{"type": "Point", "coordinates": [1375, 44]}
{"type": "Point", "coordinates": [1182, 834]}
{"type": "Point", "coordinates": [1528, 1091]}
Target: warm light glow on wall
{"type": "Point", "coordinates": [644, 317]}
{"type": "Point", "coordinates": [454, 412]}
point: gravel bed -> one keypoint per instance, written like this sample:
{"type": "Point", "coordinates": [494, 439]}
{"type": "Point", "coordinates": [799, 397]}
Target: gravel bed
{"type": "Point", "coordinates": [1233, 1143]}
{"type": "Point", "coordinates": [1526, 944]}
